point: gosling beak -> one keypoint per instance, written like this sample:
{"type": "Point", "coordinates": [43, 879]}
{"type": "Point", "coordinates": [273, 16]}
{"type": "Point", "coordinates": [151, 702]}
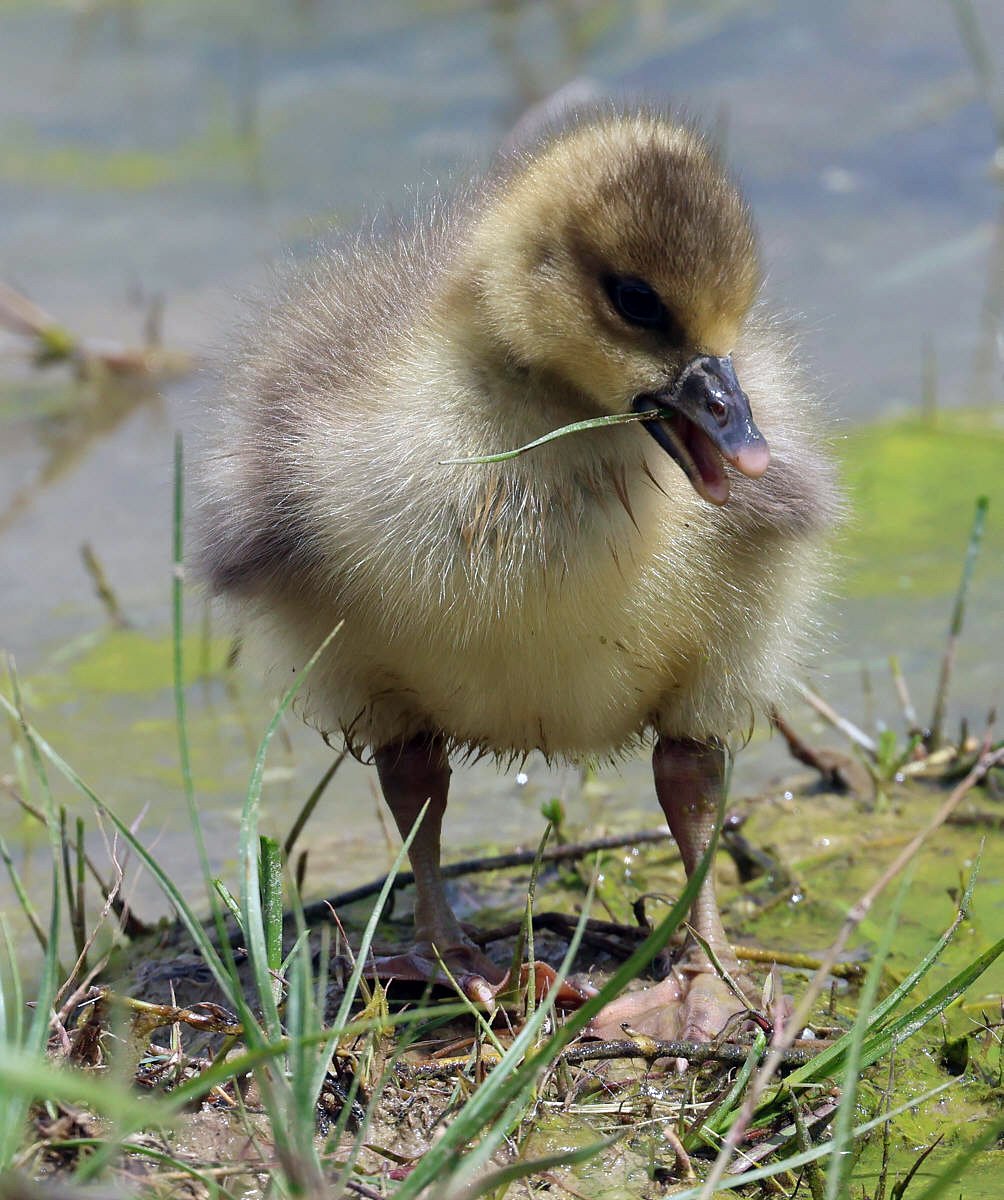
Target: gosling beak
{"type": "Point", "coordinates": [711, 420]}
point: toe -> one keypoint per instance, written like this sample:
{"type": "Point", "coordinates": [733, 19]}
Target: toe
{"type": "Point", "coordinates": [654, 1011]}
{"type": "Point", "coordinates": [708, 1007]}
{"type": "Point", "coordinates": [568, 995]}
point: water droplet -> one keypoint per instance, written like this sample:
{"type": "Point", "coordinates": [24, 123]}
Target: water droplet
{"type": "Point", "coordinates": [522, 778]}
{"type": "Point", "coordinates": [789, 795]}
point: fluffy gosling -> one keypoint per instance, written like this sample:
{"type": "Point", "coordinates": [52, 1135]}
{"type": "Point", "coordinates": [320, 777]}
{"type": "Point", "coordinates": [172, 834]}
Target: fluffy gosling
{"type": "Point", "coordinates": [651, 578]}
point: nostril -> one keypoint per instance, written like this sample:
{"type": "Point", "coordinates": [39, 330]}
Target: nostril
{"type": "Point", "coordinates": [718, 408]}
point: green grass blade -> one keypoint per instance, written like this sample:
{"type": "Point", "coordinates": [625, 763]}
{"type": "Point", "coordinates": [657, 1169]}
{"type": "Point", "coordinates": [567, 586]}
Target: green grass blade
{"type": "Point", "coordinates": [251, 903]}
{"type": "Point", "coordinates": [836, 1175]}
{"type": "Point", "coordinates": [888, 1006]}
{"type": "Point", "coordinates": [271, 885]}
{"type": "Point", "coordinates": [510, 1085]}
{"type": "Point", "coordinates": [716, 1121]}
{"type": "Point", "coordinates": [226, 964]}
{"type": "Point", "coordinates": [177, 622]}
{"type": "Point", "coordinates": [907, 1025]}
{"type": "Point", "coordinates": [28, 1076]}
{"type": "Point", "coordinates": [15, 1108]}
{"type": "Point", "coordinates": [192, 924]}
{"type": "Point", "coordinates": [564, 431]}
{"type": "Point", "coordinates": [341, 1017]}
{"type": "Point", "coordinates": [30, 913]}
{"type": "Point", "coordinates": [829, 1061]}
{"type": "Point", "coordinates": [795, 1161]}
{"type": "Point", "coordinates": [230, 900]}
{"type": "Point", "coordinates": [12, 1015]}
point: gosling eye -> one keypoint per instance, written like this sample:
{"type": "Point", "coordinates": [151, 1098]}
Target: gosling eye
{"type": "Point", "coordinates": [636, 301]}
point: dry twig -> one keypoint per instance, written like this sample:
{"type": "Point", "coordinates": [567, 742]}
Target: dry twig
{"type": "Point", "coordinates": [495, 862]}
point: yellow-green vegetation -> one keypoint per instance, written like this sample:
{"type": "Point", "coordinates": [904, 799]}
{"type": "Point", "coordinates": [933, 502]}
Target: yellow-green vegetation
{"type": "Point", "coordinates": [218, 155]}
{"type": "Point", "coordinates": [912, 485]}
{"type": "Point", "coordinates": [127, 662]}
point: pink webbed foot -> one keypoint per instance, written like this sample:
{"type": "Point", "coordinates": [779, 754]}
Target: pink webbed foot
{"type": "Point", "coordinates": [688, 1005]}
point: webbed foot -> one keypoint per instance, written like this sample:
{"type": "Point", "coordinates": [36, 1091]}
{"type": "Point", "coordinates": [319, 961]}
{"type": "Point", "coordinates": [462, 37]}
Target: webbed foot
{"type": "Point", "coordinates": [689, 1005]}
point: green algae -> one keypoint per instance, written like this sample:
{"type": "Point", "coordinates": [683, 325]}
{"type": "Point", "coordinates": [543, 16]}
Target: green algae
{"type": "Point", "coordinates": [912, 485]}
{"type": "Point", "coordinates": [125, 662]}
{"type": "Point", "coordinates": [217, 155]}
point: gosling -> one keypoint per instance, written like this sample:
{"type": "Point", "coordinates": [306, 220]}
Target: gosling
{"type": "Point", "coordinates": [649, 579]}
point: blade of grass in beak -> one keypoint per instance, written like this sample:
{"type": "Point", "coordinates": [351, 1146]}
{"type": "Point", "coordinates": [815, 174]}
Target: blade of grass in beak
{"type": "Point", "coordinates": [564, 431]}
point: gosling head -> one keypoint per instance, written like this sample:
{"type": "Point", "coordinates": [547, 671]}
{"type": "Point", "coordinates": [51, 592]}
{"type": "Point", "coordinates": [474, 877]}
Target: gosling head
{"type": "Point", "coordinates": [621, 260]}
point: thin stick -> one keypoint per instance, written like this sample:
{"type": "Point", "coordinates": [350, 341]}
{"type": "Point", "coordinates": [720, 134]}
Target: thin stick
{"type": "Point", "coordinates": [847, 728]}
{"type": "Point", "coordinates": [955, 629]}
{"type": "Point", "coordinates": [978, 817]}
{"type": "Point", "coordinates": [132, 926]}
{"type": "Point", "coordinates": [832, 774]}
{"type": "Point", "coordinates": [53, 343]}
{"type": "Point", "coordinates": [106, 594]}
{"type": "Point", "coordinates": [855, 915]}
{"type": "Point", "coordinates": [804, 1142]}
{"type": "Point", "coordinates": [639, 1046]}
{"type": "Point", "coordinates": [909, 712]}
{"type": "Point", "coordinates": [495, 862]}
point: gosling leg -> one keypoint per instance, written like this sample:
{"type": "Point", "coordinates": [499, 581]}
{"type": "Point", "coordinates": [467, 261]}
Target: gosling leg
{"type": "Point", "coordinates": [412, 773]}
{"type": "Point", "coordinates": [692, 1003]}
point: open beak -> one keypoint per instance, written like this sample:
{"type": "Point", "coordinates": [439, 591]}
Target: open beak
{"type": "Point", "coordinates": [710, 420]}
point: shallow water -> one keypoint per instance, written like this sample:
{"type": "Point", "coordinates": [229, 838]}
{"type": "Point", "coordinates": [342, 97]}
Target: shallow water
{"type": "Point", "coordinates": [174, 149]}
